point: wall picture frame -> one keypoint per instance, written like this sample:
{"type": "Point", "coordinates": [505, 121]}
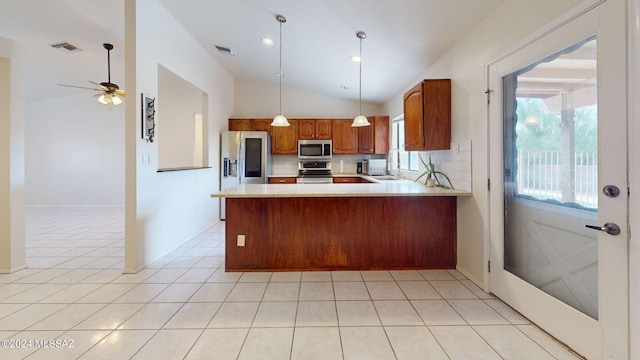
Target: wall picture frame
{"type": "Point", "coordinates": [148, 122]}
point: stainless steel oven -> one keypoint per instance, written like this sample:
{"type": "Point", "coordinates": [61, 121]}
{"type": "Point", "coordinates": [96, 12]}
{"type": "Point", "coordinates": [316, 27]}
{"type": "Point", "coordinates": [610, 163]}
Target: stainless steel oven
{"type": "Point", "coordinates": [314, 172]}
{"type": "Point", "coordinates": [314, 150]}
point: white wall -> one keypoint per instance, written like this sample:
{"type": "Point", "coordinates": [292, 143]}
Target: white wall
{"type": "Point", "coordinates": [258, 100]}
{"type": "Point", "coordinates": [74, 152]}
{"type": "Point", "coordinates": [465, 64]}
{"type": "Point", "coordinates": [165, 209]}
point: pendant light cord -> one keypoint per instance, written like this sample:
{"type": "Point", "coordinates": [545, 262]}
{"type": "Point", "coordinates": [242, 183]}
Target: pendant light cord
{"type": "Point", "coordinates": [360, 84]}
{"type": "Point", "coordinates": [280, 75]}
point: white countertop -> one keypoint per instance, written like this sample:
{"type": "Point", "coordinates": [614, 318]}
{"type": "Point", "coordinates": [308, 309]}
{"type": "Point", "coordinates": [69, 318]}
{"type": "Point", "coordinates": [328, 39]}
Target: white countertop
{"type": "Point", "coordinates": [381, 188]}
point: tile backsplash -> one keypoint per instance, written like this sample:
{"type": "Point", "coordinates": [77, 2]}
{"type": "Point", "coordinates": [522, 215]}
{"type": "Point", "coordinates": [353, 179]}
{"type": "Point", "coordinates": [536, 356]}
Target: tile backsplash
{"type": "Point", "coordinates": [455, 162]}
{"type": "Point", "coordinates": [287, 165]}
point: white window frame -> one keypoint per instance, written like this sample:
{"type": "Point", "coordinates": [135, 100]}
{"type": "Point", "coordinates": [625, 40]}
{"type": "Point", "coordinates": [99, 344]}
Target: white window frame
{"type": "Point", "coordinates": [411, 164]}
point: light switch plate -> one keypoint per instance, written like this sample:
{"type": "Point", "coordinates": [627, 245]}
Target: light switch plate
{"type": "Point", "coordinates": [240, 240]}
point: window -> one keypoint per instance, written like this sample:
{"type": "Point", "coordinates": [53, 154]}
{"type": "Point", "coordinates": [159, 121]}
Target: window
{"type": "Point", "coordinates": [404, 160]}
{"type": "Point", "coordinates": [552, 128]}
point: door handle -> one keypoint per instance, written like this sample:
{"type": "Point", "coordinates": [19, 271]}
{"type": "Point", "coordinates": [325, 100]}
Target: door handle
{"type": "Point", "coordinates": [609, 228]}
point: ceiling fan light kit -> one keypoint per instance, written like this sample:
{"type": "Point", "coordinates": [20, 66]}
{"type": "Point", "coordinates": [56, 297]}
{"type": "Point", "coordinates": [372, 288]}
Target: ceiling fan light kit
{"type": "Point", "coordinates": [110, 93]}
{"type": "Point", "coordinates": [360, 120]}
{"type": "Point", "coordinates": [280, 120]}
{"type": "Point", "coordinates": [111, 90]}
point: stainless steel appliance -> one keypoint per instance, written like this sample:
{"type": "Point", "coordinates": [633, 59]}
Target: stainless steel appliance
{"type": "Point", "coordinates": [373, 167]}
{"type": "Point", "coordinates": [315, 150]}
{"type": "Point", "coordinates": [245, 159]}
{"type": "Point", "coordinates": [314, 172]}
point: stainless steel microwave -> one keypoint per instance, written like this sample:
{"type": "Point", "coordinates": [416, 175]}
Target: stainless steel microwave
{"type": "Point", "coordinates": [314, 150]}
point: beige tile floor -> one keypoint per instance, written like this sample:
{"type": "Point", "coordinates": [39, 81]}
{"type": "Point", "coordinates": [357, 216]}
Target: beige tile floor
{"type": "Point", "coordinates": [185, 306]}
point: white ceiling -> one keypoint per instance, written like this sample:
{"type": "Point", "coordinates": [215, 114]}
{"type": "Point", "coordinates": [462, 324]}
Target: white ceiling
{"type": "Point", "coordinates": [403, 38]}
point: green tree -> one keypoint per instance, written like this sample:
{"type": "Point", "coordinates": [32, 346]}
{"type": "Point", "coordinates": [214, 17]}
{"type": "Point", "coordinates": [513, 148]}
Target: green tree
{"type": "Point", "coordinates": [540, 130]}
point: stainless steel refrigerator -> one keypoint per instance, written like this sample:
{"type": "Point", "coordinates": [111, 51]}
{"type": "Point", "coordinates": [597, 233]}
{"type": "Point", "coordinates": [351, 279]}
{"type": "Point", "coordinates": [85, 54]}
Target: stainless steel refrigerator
{"type": "Point", "coordinates": [245, 159]}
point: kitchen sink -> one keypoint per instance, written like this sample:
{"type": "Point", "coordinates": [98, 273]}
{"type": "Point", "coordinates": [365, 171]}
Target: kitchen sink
{"type": "Point", "coordinates": [385, 177]}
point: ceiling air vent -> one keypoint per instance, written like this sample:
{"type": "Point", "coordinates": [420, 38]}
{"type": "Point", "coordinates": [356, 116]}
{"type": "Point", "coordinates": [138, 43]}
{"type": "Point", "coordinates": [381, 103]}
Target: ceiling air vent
{"type": "Point", "coordinates": [225, 50]}
{"type": "Point", "coordinates": [66, 47]}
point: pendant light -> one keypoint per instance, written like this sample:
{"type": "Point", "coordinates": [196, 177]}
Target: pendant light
{"type": "Point", "coordinates": [280, 120]}
{"type": "Point", "coordinates": [360, 120]}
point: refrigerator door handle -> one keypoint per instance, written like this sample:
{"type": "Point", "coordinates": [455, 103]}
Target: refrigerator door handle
{"type": "Point", "coordinates": [240, 166]}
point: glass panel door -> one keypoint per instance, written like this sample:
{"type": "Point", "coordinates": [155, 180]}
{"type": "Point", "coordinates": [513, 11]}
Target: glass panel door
{"type": "Point", "coordinates": [551, 175]}
{"type": "Point", "coordinates": [558, 146]}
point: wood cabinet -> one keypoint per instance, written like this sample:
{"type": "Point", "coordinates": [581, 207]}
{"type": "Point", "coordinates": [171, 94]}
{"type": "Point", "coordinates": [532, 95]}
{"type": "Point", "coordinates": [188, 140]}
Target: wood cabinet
{"type": "Point", "coordinates": [314, 129]}
{"type": "Point", "coordinates": [240, 125]}
{"type": "Point", "coordinates": [284, 140]}
{"type": "Point", "coordinates": [349, 180]}
{"type": "Point", "coordinates": [282, 180]}
{"type": "Point", "coordinates": [361, 233]}
{"type": "Point", "coordinates": [250, 125]}
{"type": "Point", "coordinates": [374, 139]}
{"type": "Point", "coordinates": [261, 125]}
{"type": "Point", "coordinates": [427, 116]}
{"type": "Point", "coordinates": [345, 137]}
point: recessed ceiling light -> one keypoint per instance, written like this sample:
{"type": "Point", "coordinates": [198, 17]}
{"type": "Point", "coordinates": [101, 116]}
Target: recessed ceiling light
{"type": "Point", "coordinates": [267, 41]}
{"type": "Point", "coordinates": [355, 58]}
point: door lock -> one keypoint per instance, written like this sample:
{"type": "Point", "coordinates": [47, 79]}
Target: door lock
{"type": "Point", "coordinates": [611, 191]}
{"type": "Point", "coordinates": [609, 228]}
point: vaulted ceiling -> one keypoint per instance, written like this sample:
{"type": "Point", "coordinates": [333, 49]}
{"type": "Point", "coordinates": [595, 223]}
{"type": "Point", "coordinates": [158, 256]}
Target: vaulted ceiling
{"type": "Point", "coordinates": [403, 38]}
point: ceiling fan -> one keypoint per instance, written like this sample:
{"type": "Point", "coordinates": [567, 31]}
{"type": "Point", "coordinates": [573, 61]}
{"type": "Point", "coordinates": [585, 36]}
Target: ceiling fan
{"type": "Point", "coordinates": [110, 93]}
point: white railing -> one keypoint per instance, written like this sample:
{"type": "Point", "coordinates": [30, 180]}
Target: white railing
{"type": "Point", "coordinates": [541, 174]}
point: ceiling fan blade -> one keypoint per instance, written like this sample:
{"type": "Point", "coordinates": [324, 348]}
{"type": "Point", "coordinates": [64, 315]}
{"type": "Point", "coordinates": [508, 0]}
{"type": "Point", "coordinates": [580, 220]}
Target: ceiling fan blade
{"type": "Point", "coordinates": [120, 92]}
{"type": "Point", "coordinates": [79, 87]}
{"type": "Point", "coordinates": [98, 85]}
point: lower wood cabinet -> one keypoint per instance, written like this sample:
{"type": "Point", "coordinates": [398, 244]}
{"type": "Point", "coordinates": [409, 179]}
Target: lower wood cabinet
{"type": "Point", "coordinates": [341, 233]}
{"type": "Point", "coordinates": [349, 179]}
{"type": "Point", "coordinates": [282, 180]}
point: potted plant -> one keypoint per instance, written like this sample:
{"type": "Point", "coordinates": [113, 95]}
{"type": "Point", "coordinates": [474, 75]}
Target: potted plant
{"type": "Point", "coordinates": [431, 173]}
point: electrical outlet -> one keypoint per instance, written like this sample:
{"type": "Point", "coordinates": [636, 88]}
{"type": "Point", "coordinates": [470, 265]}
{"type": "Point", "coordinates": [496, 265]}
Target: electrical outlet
{"type": "Point", "coordinates": [240, 240]}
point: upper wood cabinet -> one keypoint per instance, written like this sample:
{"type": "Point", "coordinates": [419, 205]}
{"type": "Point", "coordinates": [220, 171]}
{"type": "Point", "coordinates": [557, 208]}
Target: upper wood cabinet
{"type": "Point", "coordinates": [314, 129]}
{"type": "Point", "coordinates": [284, 140]}
{"type": "Point", "coordinates": [261, 125]}
{"type": "Point", "coordinates": [374, 139]}
{"type": "Point", "coordinates": [250, 125]}
{"type": "Point", "coordinates": [345, 137]}
{"type": "Point", "coordinates": [240, 125]}
{"type": "Point", "coordinates": [427, 116]}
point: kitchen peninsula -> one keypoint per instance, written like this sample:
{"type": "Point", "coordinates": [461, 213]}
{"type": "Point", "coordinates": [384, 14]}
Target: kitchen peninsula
{"type": "Point", "coordinates": [382, 225]}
